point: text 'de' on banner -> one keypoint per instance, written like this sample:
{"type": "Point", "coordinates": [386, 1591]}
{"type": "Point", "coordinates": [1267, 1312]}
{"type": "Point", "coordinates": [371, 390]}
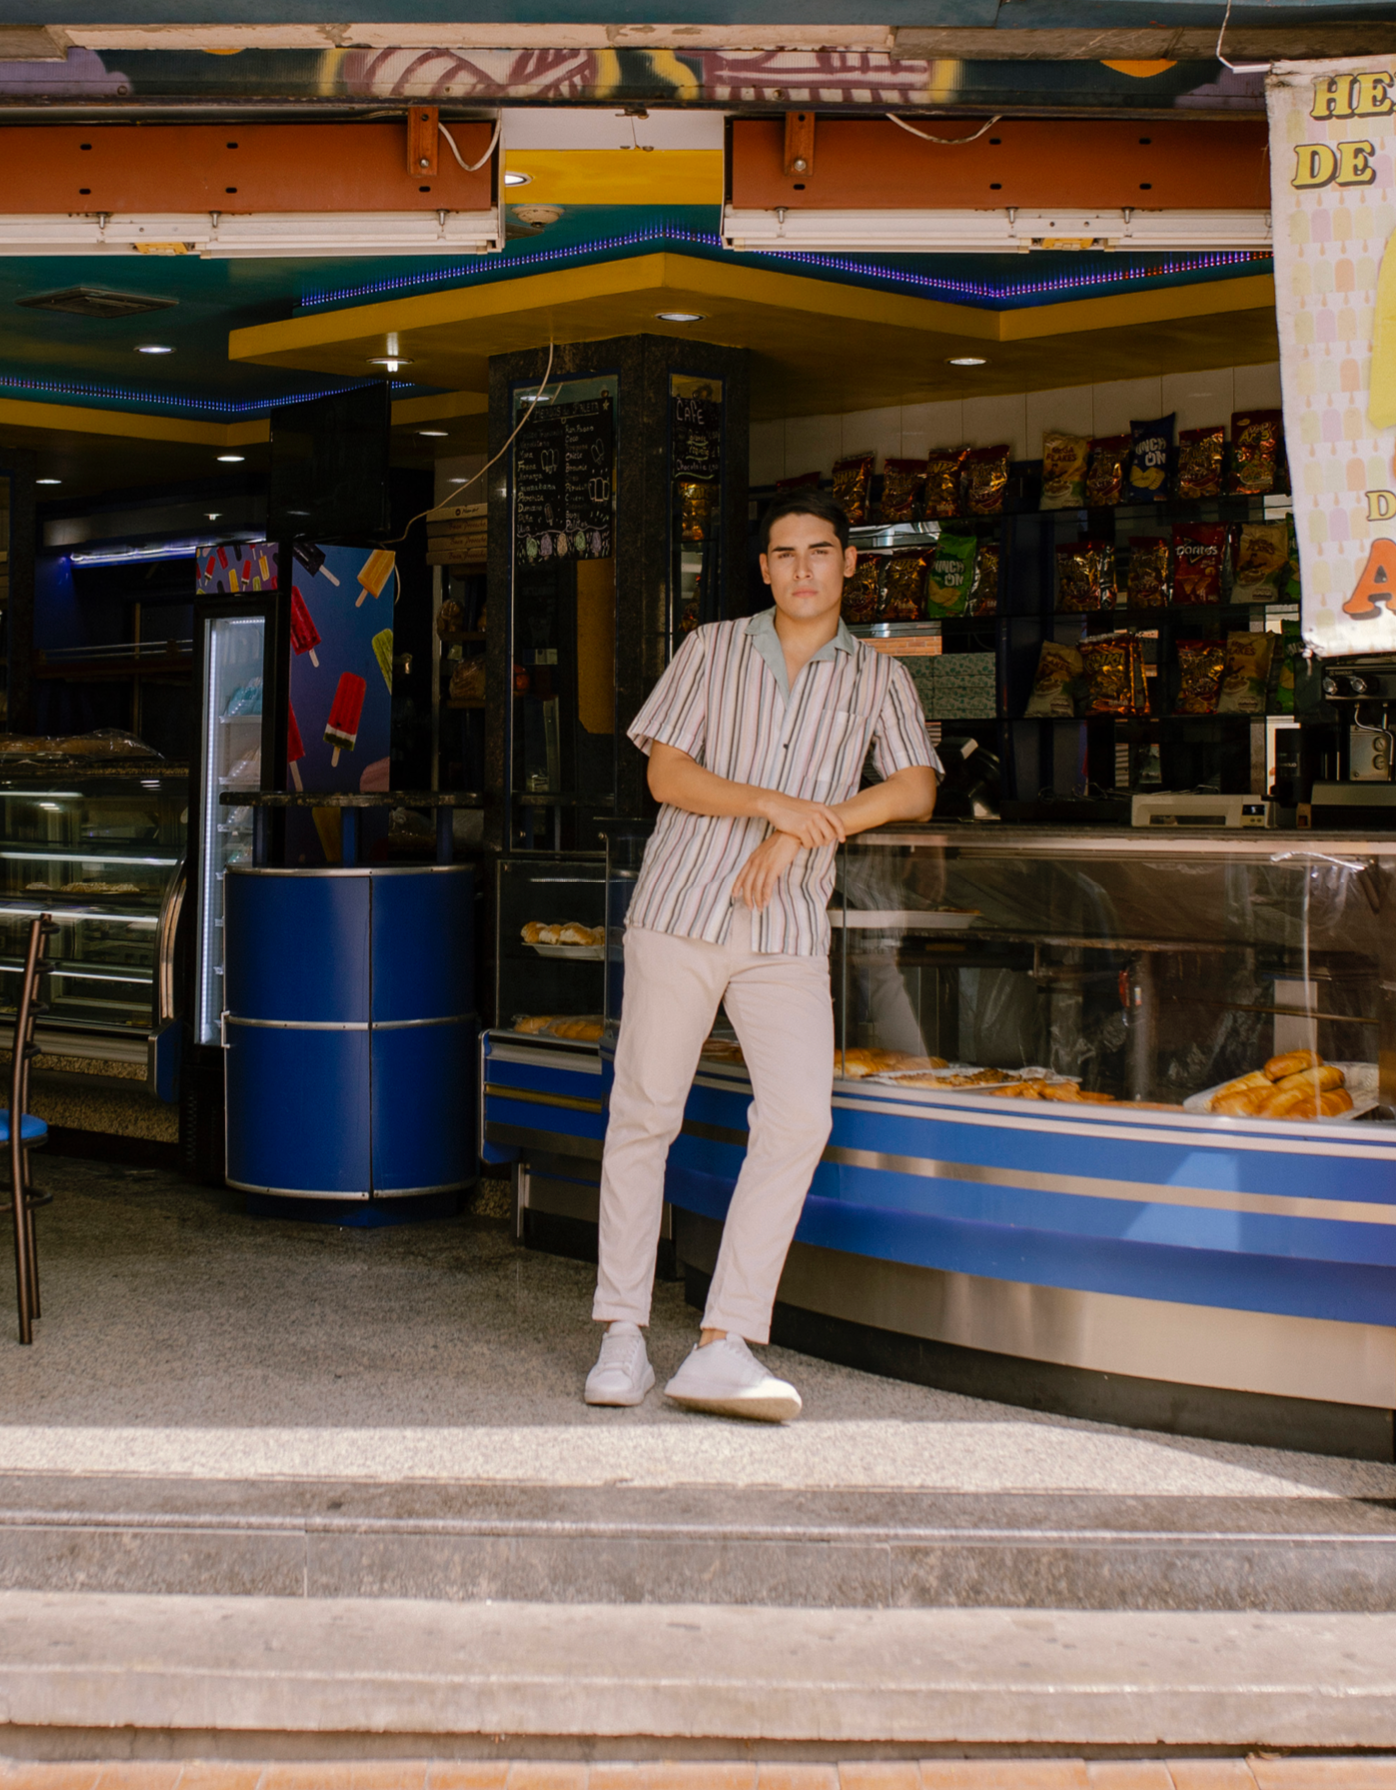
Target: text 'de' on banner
{"type": "Point", "coordinates": [1332, 145]}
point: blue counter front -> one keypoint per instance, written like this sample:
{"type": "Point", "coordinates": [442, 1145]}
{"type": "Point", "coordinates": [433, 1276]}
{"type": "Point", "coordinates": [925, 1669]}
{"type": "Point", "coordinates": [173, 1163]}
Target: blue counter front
{"type": "Point", "coordinates": [1163, 1247]}
{"type": "Point", "coordinates": [350, 1032]}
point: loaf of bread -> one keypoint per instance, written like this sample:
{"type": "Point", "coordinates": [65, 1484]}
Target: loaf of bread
{"type": "Point", "coordinates": [531, 1023]}
{"type": "Point", "coordinates": [1256, 1079]}
{"type": "Point", "coordinates": [1319, 1080]}
{"type": "Point", "coordinates": [580, 1031]}
{"type": "Point", "coordinates": [1291, 1063]}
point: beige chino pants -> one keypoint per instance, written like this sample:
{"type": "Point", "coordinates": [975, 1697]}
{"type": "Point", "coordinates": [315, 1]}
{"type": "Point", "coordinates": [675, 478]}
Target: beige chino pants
{"type": "Point", "coordinates": [780, 1010]}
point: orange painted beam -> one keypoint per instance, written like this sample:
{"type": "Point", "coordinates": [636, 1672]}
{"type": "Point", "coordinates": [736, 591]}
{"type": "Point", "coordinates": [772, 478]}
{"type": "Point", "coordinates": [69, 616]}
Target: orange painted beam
{"type": "Point", "coordinates": [871, 163]}
{"type": "Point", "coordinates": [124, 168]}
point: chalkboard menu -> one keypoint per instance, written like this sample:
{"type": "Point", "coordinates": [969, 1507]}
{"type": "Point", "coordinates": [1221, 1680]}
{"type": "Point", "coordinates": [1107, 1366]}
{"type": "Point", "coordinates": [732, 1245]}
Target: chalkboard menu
{"type": "Point", "coordinates": [695, 423]}
{"type": "Point", "coordinates": [564, 460]}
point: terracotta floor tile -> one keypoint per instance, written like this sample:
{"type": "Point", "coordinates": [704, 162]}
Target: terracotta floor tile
{"type": "Point", "coordinates": [1004, 1774]}
{"type": "Point", "coordinates": [798, 1777]}
{"type": "Point", "coordinates": [1129, 1774]}
{"type": "Point", "coordinates": [671, 1775]}
{"type": "Point", "coordinates": [140, 1774]}
{"type": "Point", "coordinates": [1324, 1774]}
{"type": "Point", "coordinates": [881, 1774]}
{"type": "Point", "coordinates": [217, 1774]}
{"type": "Point", "coordinates": [391, 1774]}
{"type": "Point", "coordinates": [23, 1776]}
{"type": "Point", "coordinates": [537, 1775]}
{"type": "Point", "coordinates": [468, 1774]}
{"type": "Point", "coordinates": [296, 1775]}
{"type": "Point", "coordinates": [1210, 1774]}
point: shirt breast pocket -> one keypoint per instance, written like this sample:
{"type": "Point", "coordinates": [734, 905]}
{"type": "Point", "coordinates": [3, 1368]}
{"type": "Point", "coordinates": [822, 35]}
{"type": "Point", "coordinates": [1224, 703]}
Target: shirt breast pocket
{"type": "Point", "coordinates": [843, 738]}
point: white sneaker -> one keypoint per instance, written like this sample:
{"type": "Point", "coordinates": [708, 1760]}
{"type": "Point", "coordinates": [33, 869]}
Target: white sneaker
{"type": "Point", "coordinates": [622, 1375]}
{"type": "Point", "coordinates": [727, 1379]}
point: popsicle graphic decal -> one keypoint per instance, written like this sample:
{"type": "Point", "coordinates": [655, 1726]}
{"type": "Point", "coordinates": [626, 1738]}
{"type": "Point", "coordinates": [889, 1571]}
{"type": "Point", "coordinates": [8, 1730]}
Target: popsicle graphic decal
{"type": "Point", "coordinates": [383, 652]}
{"type": "Point", "coordinates": [305, 636]}
{"type": "Point", "coordinates": [295, 747]}
{"type": "Point", "coordinates": [374, 573]}
{"type": "Point", "coordinates": [342, 728]}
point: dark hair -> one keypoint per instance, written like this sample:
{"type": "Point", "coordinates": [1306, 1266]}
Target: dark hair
{"type": "Point", "coordinates": [805, 500]}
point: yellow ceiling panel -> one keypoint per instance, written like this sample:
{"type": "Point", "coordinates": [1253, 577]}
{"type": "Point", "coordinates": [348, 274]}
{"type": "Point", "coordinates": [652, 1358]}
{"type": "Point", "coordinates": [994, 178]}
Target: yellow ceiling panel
{"type": "Point", "coordinates": [817, 346]}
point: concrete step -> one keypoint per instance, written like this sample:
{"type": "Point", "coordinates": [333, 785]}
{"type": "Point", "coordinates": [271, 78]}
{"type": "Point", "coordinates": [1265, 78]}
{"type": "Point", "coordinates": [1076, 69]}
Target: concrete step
{"type": "Point", "coordinates": [703, 1545]}
{"type": "Point", "coordinates": [81, 1674]}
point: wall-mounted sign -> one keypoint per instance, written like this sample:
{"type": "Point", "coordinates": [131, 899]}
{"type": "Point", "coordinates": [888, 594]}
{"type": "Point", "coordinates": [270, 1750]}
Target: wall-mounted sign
{"type": "Point", "coordinates": [564, 469]}
{"type": "Point", "coordinates": [1332, 144]}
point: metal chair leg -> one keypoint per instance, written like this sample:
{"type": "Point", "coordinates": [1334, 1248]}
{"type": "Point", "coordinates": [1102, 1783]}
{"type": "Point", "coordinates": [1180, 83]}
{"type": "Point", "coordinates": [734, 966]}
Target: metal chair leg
{"type": "Point", "coordinates": [33, 1242]}
{"type": "Point", "coordinates": [23, 1233]}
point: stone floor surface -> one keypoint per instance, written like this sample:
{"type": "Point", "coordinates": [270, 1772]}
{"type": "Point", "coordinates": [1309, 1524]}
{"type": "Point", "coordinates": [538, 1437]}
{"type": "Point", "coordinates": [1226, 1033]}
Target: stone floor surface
{"type": "Point", "coordinates": [181, 1337]}
{"type": "Point", "coordinates": [1362, 1772]}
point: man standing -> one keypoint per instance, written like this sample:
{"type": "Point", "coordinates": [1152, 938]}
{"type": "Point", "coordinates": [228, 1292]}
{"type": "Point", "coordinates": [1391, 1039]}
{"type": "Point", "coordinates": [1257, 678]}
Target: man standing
{"type": "Point", "coordinates": [756, 736]}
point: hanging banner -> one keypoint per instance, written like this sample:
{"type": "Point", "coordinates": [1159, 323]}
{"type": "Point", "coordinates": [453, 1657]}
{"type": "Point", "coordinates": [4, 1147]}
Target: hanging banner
{"type": "Point", "coordinates": [1332, 137]}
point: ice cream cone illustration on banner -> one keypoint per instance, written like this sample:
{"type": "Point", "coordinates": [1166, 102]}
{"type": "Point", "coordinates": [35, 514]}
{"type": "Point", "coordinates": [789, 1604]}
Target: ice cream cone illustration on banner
{"type": "Point", "coordinates": [295, 747]}
{"type": "Point", "coordinates": [342, 728]}
{"type": "Point", "coordinates": [374, 573]}
{"type": "Point", "coordinates": [305, 636]}
{"type": "Point", "coordinates": [383, 652]}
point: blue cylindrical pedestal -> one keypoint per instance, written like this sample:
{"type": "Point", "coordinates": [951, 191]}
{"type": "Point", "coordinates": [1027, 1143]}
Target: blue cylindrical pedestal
{"type": "Point", "coordinates": [349, 1032]}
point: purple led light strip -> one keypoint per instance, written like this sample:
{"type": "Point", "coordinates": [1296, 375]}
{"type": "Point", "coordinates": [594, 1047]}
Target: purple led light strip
{"type": "Point", "coordinates": [209, 406]}
{"type": "Point", "coordinates": [493, 264]}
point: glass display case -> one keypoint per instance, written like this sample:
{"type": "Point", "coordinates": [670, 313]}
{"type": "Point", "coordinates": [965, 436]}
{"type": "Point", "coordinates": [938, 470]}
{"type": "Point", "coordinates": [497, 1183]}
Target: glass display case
{"type": "Point", "coordinates": [550, 967]}
{"type": "Point", "coordinates": [1111, 969]}
{"type": "Point", "coordinates": [104, 854]}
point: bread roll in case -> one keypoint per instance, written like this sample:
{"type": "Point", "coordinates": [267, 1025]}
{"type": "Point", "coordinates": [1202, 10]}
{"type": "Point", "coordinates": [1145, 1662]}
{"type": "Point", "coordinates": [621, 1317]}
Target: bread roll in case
{"type": "Point", "coordinates": [1291, 1063]}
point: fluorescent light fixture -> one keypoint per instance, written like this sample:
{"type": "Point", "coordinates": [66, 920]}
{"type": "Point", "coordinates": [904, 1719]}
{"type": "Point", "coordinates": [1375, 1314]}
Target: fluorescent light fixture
{"type": "Point", "coordinates": [153, 348]}
{"type": "Point", "coordinates": [391, 361]}
{"type": "Point", "coordinates": [221, 235]}
{"type": "Point", "coordinates": [681, 316]}
{"type": "Point", "coordinates": [121, 556]}
{"type": "Point", "coordinates": [48, 481]}
{"type": "Point", "coordinates": [991, 232]}
{"type": "Point", "coordinates": [232, 459]}
{"type": "Point", "coordinates": [435, 434]}
{"type": "Point", "coordinates": [967, 360]}
{"type": "Point", "coordinates": [514, 178]}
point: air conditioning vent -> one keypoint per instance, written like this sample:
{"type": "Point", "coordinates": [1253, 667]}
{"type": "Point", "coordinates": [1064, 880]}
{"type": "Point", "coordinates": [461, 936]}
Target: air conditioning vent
{"type": "Point", "coordinates": [96, 301]}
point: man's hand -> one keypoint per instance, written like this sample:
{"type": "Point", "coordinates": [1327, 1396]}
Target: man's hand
{"type": "Point", "coordinates": [757, 878]}
{"type": "Point", "coordinates": [811, 823]}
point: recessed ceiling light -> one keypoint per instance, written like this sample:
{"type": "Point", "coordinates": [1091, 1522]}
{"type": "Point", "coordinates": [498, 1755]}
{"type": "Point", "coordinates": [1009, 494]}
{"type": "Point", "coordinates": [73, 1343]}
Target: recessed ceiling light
{"type": "Point", "coordinates": [513, 178]}
{"type": "Point", "coordinates": [154, 348]}
{"type": "Point", "coordinates": [391, 361]}
{"type": "Point", "coordinates": [48, 481]}
{"type": "Point", "coordinates": [460, 481]}
{"type": "Point", "coordinates": [680, 316]}
{"type": "Point", "coordinates": [436, 434]}
{"type": "Point", "coordinates": [967, 360]}
{"type": "Point", "coordinates": [232, 459]}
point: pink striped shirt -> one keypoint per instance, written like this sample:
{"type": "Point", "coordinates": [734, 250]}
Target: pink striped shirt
{"type": "Point", "coordinates": [722, 703]}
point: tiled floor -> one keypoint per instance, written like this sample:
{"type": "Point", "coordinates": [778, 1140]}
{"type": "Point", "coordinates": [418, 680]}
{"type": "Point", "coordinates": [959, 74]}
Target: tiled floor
{"type": "Point", "coordinates": [1363, 1772]}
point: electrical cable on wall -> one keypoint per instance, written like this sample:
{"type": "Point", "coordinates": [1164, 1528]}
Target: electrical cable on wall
{"type": "Point", "coordinates": [951, 142]}
{"type": "Point", "coordinates": [455, 496]}
{"type": "Point", "coordinates": [473, 167]}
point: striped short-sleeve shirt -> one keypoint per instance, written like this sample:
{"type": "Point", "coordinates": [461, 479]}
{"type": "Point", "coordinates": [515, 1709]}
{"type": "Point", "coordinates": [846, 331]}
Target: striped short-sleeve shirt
{"type": "Point", "coordinates": [723, 701]}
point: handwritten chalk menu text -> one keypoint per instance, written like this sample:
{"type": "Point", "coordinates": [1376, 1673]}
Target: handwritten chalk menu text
{"type": "Point", "coordinates": [696, 430]}
{"type": "Point", "coordinates": [564, 461]}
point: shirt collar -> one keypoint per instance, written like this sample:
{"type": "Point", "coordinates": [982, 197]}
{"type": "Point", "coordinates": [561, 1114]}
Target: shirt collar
{"type": "Point", "coordinates": [763, 626]}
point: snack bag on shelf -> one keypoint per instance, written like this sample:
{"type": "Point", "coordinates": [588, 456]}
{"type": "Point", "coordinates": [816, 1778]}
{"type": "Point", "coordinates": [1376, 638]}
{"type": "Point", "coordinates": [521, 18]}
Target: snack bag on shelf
{"type": "Point", "coordinates": [1284, 666]}
{"type": "Point", "coordinates": [1113, 670]}
{"type": "Point", "coordinates": [984, 597]}
{"type": "Point", "coordinates": [1148, 460]}
{"type": "Point", "coordinates": [986, 480]}
{"type": "Point", "coordinates": [1262, 560]}
{"type": "Point", "coordinates": [1199, 555]}
{"type": "Point", "coordinates": [1085, 575]}
{"type": "Point", "coordinates": [950, 578]}
{"type": "Point", "coordinates": [1246, 674]}
{"type": "Point", "coordinates": [903, 491]}
{"type": "Point", "coordinates": [943, 468]}
{"type": "Point", "coordinates": [1201, 463]}
{"type": "Point", "coordinates": [1257, 452]}
{"type": "Point", "coordinates": [1150, 565]}
{"type": "Point", "coordinates": [853, 487]}
{"type": "Point", "coordinates": [903, 589]}
{"type": "Point", "coordinates": [860, 592]}
{"type": "Point", "coordinates": [1200, 667]}
{"type": "Point", "coordinates": [1058, 677]}
{"type": "Point", "coordinates": [1064, 462]}
{"type": "Point", "coordinates": [1108, 469]}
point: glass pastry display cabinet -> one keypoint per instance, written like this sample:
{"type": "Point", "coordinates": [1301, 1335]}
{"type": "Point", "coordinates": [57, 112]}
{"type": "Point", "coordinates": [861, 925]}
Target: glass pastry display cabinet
{"type": "Point", "coordinates": [1114, 1127]}
{"type": "Point", "coordinates": [103, 852]}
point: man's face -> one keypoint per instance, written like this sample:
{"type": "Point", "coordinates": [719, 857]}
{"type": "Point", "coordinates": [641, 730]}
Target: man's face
{"type": "Point", "coordinates": [805, 567]}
